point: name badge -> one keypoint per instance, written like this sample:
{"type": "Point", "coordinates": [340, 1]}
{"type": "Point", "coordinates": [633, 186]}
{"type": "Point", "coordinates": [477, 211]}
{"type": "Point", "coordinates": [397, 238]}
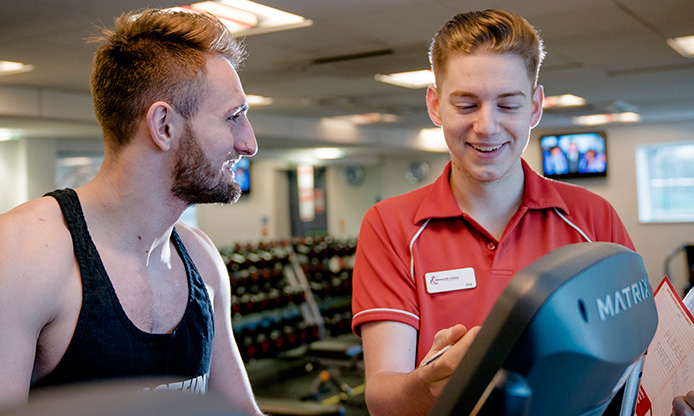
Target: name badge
{"type": "Point", "coordinates": [448, 280]}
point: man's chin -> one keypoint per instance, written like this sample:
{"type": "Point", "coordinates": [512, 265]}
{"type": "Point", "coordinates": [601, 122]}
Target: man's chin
{"type": "Point", "coordinates": [229, 195]}
{"type": "Point", "coordinates": [226, 198]}
{"type": "Point", "coordinates": [234, 198]}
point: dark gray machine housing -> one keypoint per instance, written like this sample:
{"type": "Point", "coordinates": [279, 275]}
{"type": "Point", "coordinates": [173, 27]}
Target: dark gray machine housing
{"type": "Point", "coordinates": [561, 339]}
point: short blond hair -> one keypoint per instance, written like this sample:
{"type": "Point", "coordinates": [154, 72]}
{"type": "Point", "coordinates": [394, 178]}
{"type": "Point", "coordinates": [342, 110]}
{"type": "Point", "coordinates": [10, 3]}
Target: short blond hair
{"type": "Point", "coordinates": [154, 55]}
{"type": "Point", "coordinates": [489, 30]}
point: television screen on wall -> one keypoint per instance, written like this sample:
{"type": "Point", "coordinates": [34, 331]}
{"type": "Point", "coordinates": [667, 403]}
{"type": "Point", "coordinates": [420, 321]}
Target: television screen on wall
{"type": "Point", "coordinates": [574, 155]}
{"type": "Point", "coordinates": [242, 172]}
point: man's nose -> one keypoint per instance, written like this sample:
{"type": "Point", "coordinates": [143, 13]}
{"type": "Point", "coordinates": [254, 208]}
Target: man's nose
{"type": "Point", "coordinates": [486, 123]}
{"type": "Point", "coordinates": [246, 143]}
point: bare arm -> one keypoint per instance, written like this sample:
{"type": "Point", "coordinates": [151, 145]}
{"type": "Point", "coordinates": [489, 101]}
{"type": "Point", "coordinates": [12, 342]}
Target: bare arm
{"type": "Point", "coordinates": [227, 373]}
{"type": "Point", "coordinates": [20, 328]}
{"type": "Point", "coordinates": [393, 385]}
{"type": "Point", "coordinates": [33, 272]}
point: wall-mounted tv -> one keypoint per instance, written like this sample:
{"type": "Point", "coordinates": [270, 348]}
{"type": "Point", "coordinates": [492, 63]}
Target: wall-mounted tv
{"type": "Point", "coordinates": [574, 155]}
{"type": "Point", "coordinates": [242, 173]}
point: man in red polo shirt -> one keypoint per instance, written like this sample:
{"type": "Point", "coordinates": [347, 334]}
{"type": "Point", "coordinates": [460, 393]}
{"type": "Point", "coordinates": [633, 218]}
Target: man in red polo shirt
{"type": "Point", "coordinates": [431, 263]}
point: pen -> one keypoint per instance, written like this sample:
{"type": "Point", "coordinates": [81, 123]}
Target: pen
{"type": "Point", "coordinates": [437, 355]}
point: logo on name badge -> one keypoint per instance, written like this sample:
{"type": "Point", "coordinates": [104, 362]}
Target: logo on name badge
{"type": "Point", "coordinates": [449, 280]}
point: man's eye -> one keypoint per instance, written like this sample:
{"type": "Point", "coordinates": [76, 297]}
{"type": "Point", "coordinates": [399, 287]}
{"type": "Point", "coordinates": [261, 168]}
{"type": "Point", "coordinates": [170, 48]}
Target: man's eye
{"type": "Point", "coordinates": [510, 106]}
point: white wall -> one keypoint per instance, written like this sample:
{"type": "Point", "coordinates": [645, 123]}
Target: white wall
{"type": "Point", "coordinates": [40, 165]}
{"type": "Point", "coordinates": [27, 166]}
{"type": "Point", "coordinates": [27, 170]}
{"type": "Point", "coordinates": [243, 221]}
{"type": "Point", "coordinates": [11, 181]}
{"type": "Point", "coordinates": [347, 204]}
{"type": "Point", "coordinates": [394, 168]}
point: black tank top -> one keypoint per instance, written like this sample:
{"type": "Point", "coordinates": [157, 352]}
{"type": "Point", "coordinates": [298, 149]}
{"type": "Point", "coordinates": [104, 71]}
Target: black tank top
{"type": "Point", "coordinates": [106, 344]}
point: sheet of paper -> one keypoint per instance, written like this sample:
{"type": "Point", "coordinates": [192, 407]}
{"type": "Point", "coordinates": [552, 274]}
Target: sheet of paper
{"type": "Point", "coordinates": [669, 366]}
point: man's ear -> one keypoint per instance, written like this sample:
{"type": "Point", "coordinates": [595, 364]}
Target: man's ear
{"type": "Point", "coordinates": [164, 125]}
{"type": "Point", "coordinates": [538, 100]}
{"type": "Point", "coordinates": [433, 105]}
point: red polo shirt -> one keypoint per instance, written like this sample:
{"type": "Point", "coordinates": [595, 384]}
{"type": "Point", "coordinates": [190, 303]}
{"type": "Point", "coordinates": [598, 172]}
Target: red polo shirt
{"type": "Point", "coordinates": [410, 246]}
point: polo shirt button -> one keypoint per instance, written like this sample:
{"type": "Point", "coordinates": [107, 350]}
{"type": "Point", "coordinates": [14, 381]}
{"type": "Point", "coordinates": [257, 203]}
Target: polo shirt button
{"type": "Point", "coordinates": [491, 246]}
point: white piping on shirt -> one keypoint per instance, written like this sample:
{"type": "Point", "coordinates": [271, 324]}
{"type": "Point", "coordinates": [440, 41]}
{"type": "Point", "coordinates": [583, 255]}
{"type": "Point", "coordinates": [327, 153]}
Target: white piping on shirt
{"type": "Point", "coordinates": [387, 310]}
{"type": "Point", "coordinates": [412, 244]}
{"type": "Point", "coordinates": [574, 226]}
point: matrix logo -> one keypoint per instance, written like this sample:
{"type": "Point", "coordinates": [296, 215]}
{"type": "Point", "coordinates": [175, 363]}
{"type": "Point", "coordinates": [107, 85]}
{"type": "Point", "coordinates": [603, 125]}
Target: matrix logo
{"type": "Point", "coordinates": [623, 299]}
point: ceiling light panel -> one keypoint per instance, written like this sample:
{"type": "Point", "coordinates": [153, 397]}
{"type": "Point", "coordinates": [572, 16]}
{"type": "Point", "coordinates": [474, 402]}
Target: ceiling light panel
{"type": "Point", "coordinates": [598, 119]}
{"type": "Point", "coordinates": [684, 45]}
{"type": "Point", "coordinates": [328, 153]}
{"type": "Point", "coordinates": [368, 118]}
{"type": "Point", "coordinates": [410, 79]}
{"type": "Point", "coordinates": [7, 135]}
{"type": "Point", "coordinates": [258, 100]}
{"type": "Point", "coordinates": [564, 100]}
{"type": "Point", "coordinates": [245, 18]}
{"type": "Point", "coordinates": [11, 68]}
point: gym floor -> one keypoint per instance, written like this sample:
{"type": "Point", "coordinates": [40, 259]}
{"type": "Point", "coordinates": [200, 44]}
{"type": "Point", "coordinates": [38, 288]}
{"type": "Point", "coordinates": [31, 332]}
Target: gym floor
{"type": "Point", "coordinates": [296, 378]}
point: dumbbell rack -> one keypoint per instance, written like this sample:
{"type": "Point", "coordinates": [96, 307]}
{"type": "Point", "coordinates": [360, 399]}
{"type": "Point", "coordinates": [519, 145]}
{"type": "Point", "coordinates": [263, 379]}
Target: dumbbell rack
{"type": "Point", "coordinates": [282, 290]}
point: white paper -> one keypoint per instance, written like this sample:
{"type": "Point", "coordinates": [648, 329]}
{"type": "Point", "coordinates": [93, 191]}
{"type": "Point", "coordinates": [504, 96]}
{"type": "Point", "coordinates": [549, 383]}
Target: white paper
{"type": "Point", "coordinates": [668, 368]}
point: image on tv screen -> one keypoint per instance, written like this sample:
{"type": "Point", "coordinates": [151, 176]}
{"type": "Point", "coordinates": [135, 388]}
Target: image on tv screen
{"type": "Point", "coordinates": [574, 155]}
{"type": "Point", "coordinates": [243, 174]}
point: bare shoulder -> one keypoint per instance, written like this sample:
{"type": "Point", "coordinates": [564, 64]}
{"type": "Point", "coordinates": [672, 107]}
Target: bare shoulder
{"type": "Point", "coordinates": [35, 227]}
{"type": "Point", "coordinates": [204, 254]}
{"type": "Point", "coordinates": [35, 245]}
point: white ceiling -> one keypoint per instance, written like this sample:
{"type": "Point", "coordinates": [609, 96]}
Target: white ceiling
{"type": "Point", "coordinates": [612, 52]}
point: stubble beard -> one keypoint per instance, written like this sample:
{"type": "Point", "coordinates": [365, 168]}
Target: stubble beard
{"type": "Point", "coordinates": [196, 181]}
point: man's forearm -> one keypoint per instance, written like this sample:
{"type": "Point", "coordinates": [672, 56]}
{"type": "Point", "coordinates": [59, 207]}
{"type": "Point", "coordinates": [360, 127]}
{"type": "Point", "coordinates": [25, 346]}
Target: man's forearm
{"type": "Point", "coordinates": [398, 394]}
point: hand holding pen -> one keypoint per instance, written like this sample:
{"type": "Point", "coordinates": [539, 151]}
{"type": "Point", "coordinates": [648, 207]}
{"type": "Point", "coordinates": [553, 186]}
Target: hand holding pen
{"type": "Point", "coordinates": [449, 346]}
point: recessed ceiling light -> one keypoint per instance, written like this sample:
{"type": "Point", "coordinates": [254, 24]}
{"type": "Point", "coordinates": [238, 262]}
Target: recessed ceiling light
{"type": "Point", "coordinates": [410, 79]}
{"type": "Point", "coordinates": [10, 68]}
{"type": "Point", "coordinates": [326, 153]}
{"type": "Point", "coordinates": [432, 140]}
{"type": "Point", "coordinates": [258, 100]}
{"type": "Point", "coordinates": [245, 18]}
{"type": "Point", "coordinates": [564, 100]}
{"type": "Point", "coordinates": [597, 119]}
{"type": "Point", "coordinates": [236, 19]}
{"type": "Point", "coordinates": [368, 118]}
{"type": "Point", "coordinates": [7, 135]}
{"type": "Point", "coordinates": [684, 45]}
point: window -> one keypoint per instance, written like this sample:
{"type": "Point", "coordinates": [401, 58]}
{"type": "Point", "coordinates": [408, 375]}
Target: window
{"type": "Point", "coordinates": [665, 181]}
{"type": "Point", "coordinates": [72, 171]}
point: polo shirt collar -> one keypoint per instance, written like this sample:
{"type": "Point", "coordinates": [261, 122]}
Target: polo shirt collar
{"type": "Point", "coordinates": [439, 202]}
{"type": "Point", "coordinates": [540, 192]}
